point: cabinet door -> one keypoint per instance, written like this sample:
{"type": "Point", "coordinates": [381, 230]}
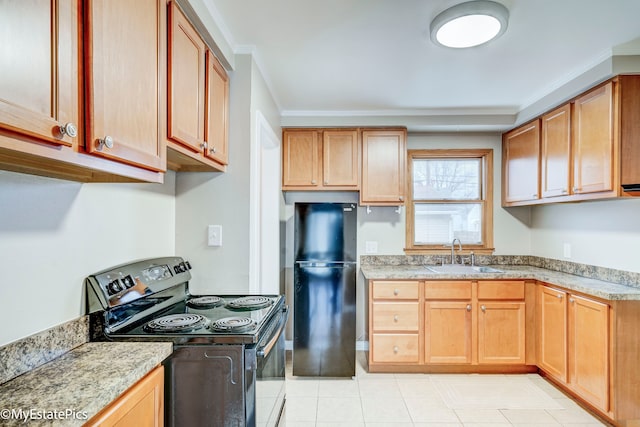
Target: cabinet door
{"type": "Point", "coordinates": [142, 405]}
{"type": "Point", "coordinates": [216, 118]}
{"type": "Point", "coordinates": [39, 69]}
{"type": "Point", "coordinates": [448, 333]}
{"type": "Point", "coordinates": [186, 98]}
{"type": "Point", "coordinates": [552, 332]}
{"type": "Point", "coordinates": [340, 158]}
{"type": "Point", "coordinates": [521, 159]}
{"type": "Point", "coordinates": [589, 350]}
{"type": "Point", "coordinates": [300, 151]}
{"type": "Point", "coordinates": [501, 333]}
{"type": "Point", "coordinates": [383, 164]}
{"type": "Point", "coordinates": [555, 152]}
{"type": "Point", "coordinates": [125, 81]}
{"type": "Point", "coordinates": [593, 149]}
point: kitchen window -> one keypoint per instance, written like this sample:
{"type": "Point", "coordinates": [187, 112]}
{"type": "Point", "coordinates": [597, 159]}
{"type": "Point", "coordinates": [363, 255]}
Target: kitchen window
{"type": "Point", "coordinates": [450, 196]}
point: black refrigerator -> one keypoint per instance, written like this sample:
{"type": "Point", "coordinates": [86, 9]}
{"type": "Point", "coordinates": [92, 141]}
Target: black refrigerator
{"type": "Point", "coordinates": [324, 307]}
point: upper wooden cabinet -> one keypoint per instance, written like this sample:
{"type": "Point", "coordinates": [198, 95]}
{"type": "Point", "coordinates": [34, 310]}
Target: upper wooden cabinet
{"type": "Point", "coordinates": [589, 147]}
{"type": "Point", "coordinates": [384, 158]}
{"type": "Point", "coordinates": [555, 147]}
{"type": "Point", "coordinates": [594, 147]}
{"type": "Point", "coordinates": [39, 91]}
{"type": "Point", "coordinates": [126, 69]}
{"type": "Point", "coordinates": [217, 111]}
{"type": "Point", "coordinates": [58, 100]}
{"type": "Point", "coordinates": [198, 99]}
{"type": "Point", "coordinates": [521, 163]}
{"type": "Point", "coordinates": [320, 159]}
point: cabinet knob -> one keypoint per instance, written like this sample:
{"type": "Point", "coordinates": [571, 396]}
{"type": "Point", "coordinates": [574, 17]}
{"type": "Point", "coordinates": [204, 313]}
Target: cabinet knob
{"type": "Point", "coordinates": [204, 145]}
{"type": "Point", "coordinates": [468, 307]}
{"type": "Point", "coordinates": [326, 183]}
{"type": "Point", "coordinates": [107, 141]}
{"type": "Point", "coordinates": [576, 189]}
{"type": "Point", "coordinates": [559, 296]}
{"type": "Point", "coordinates": [213, 150]}
{"type": "Point", "coordinates": [313, 181]}
{"type": "Point", "coordinates": [396, 349]}
{"type": "Point", "coordinates": [401, 198]}
{"type": "Point", "coordinates": [571, 300]}
{"type": "Point", "coordinates": [395, 318]}
{"type": "Point", "coordinates": [483, 308]}
{"type": "Point", "coordinates": [69, 129]}
{"type": "Point", "coordinates": [396, 292]}
{"type": "Point", "coordinates": [535, 196]}
{"type": "Point", "coordinates": [564, 191]}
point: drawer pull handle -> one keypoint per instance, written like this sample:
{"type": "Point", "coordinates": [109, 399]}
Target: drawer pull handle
{"type": "Point", "coordinates": [396, 292]}
{"type": "Point", "coordinates": [396, 349]}
{"type": "Point", "coordinates": [468, 307]}
{"type": "Point", "coordinates": [395, 318]}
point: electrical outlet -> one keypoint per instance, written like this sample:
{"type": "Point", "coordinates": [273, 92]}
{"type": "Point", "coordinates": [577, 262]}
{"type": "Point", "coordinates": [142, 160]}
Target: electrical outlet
{"type": "Point", "coordinates": [371, 247]}
{"type": "Point", "coordinates": [214, 235]}
{"type": "Point", "coordinates": [567, 250]}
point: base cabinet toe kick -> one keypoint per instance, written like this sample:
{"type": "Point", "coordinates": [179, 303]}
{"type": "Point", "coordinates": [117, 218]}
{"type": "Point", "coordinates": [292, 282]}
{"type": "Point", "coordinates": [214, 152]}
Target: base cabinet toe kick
{"type": "Point", "coordinates": [585, 345]}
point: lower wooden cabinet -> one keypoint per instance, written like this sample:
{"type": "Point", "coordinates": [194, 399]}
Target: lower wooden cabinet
{"type": "Point", "coordinates": [501, 333]}
{"type": "Point", "coordinates": [574, 345]}
{"type": "Point", "coordinates": [141, 406]}
{"type": "Point", "coordinates": [429, 325]}
{"type": "Point", "coordinates": [394, 321]}
{"type": "Point", "coordinates": [448, 332]}
{"type": "Point", "coordinates": [589, 350]}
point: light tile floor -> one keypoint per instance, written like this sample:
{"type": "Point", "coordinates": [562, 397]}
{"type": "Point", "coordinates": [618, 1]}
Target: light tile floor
{"type": "Point", "coordinates": [381, 400]}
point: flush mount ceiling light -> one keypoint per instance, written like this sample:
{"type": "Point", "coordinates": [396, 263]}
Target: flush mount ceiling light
{"type": "Point", "coordinates": [469, 24]}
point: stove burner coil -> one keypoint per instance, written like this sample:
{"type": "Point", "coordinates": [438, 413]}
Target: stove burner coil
{"type": "Point", "coordinates": [234, 324]}
{"type": "Point", "coordinates": [205, 302]}
{"type": "Point", "coordinates": [250, 303]}
{"type": "Point", "coordinates": [177, 323]}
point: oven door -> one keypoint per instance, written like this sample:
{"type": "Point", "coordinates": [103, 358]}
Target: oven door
{"type": "Point", "coordinates": [270, 374]}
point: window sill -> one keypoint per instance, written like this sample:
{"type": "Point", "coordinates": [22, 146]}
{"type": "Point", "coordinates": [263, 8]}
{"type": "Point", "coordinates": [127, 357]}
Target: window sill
{"type": "Point", "coordinates": [447, 251]}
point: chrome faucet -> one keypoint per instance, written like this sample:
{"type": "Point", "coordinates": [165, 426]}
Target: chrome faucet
{"type": "Point", "coordinates": [453, 255]}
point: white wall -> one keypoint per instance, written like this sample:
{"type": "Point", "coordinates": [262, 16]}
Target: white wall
{"type": "Point", "coordinates": [602, 233]}
{"type": "Point", "coordinates": [224, 198]}
{"type": "Point", "coordinates": [54, 233]}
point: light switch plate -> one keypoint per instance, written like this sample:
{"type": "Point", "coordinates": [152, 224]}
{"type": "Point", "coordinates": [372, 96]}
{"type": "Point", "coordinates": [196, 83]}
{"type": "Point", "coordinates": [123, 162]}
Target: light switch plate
{"type": "Point", "coordinates": [214, 235]}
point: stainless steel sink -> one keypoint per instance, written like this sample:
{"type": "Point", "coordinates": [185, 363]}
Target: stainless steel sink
{"type": "Point", "coordinates": [461, 269]}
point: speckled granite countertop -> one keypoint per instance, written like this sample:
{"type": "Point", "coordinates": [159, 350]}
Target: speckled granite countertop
{"type": "Point", "coordinates": [79, 383]}
{"type": "Point", "coordinates": [593, 287]}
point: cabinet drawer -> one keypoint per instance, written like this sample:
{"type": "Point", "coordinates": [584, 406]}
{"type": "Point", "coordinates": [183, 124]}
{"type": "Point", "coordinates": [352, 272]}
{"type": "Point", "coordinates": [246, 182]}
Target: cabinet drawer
{"type": "Point", "coordinates": [450, 289]}
{"type": "Point", "coordinates": [399, 290]}
{"type": "Point", "coordinates": [395, 316]}
{"type": "Point", "coordinates": [395, 348]}
{"type": "Point", "coordinates": [508, 289]}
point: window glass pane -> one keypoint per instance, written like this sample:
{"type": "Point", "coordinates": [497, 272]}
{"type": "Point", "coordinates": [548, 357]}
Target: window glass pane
{"type": "Point", "coordinates": [438, 179]}
{"type": "Point", "coordinates": [440, 223]}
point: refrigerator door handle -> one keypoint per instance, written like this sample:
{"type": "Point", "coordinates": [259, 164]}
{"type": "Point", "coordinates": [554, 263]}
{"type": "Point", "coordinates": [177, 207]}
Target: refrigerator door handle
{"type": "Point", "coordinates": [332, 264]}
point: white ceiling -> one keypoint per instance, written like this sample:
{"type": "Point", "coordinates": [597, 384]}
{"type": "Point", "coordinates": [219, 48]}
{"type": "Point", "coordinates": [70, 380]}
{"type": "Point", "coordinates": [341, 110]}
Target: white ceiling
{"type": "Point", "coordinates": [344, 58]}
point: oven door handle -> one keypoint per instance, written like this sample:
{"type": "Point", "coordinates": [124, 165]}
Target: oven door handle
{"type": "Point", "coordinates": [264, 350]}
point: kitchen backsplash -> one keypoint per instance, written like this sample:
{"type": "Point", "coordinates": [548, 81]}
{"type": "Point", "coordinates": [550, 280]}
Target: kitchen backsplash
{"type": "Point", "coordinates": [621, 277]}
{"type": "Point", "coordinates": [28, 353]}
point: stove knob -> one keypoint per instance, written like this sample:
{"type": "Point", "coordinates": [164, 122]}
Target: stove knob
{"type": "Point", "coordinates": [183, 267]}
{"type": "Point", "coordinates": [188, 265]}
{"type": "Point", "coordinates": [113, 287]}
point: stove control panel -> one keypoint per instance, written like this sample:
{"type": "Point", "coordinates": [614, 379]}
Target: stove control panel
{"type": "Point", "coordinates": [127, 282]}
